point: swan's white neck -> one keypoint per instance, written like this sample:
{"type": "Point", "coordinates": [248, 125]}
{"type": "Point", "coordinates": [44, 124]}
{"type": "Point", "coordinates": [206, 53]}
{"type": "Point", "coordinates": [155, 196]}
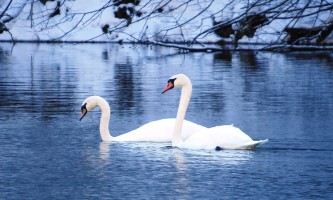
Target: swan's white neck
{"type": "Point", "coordinates": [105, 118]}
{"type": "Point", "coordinates": [182, 108]}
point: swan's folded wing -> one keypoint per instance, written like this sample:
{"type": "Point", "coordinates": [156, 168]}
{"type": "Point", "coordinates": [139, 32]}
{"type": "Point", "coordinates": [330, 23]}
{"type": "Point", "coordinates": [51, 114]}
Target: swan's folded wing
{"type": "Point", "coordinates": [223, 137]}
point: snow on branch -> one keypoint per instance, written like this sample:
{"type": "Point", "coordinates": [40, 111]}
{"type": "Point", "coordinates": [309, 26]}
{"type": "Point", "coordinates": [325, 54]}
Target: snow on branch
{"type": "Point", "coordinates": [163, 22]}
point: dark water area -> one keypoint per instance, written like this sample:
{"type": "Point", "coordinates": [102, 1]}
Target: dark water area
{"type": "Point", "coordinates": [47, 153]}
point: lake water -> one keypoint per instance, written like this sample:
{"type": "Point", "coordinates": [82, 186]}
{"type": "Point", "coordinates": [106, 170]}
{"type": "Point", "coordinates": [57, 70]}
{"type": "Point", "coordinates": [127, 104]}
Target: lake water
{"type": "Point", "coordinates": [46, 153]}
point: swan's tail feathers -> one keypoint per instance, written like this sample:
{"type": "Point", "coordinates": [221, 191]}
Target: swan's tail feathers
{"type": "Point", "coordinates": [252, 145]}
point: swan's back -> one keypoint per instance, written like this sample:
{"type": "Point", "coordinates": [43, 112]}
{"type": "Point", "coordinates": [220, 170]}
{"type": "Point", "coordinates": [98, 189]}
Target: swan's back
{"type": "Point", "coordinates": [224, 137]}
{"type": "Point", "coordinates": [160, 131]}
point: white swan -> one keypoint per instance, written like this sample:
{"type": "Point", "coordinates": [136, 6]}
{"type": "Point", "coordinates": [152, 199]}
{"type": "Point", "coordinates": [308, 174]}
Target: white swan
{"type": "Point", "coordinates": [219, 137]}
{"type": "Point", "coordinates": [155, 131]}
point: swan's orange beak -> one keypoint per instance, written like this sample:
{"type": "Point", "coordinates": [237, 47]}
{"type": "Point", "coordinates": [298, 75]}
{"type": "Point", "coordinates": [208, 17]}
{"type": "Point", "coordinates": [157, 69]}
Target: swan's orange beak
{"type": "Point", "coordinates": [168, 87]}
{"type": "Point", "coordinates": [84, 112]}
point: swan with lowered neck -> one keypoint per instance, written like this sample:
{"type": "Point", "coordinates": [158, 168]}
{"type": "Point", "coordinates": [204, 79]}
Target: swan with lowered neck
{"type": "Point", "coordinates": [219, 137]}
{"type": "Point", "coordinates": [155, 131]}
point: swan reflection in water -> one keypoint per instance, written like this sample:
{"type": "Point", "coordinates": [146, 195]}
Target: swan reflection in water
{"type": "Point", "coordinates": [104, 150]}
{"type": "Point", "coordinates": [161, 152]}
{"type": "Point", "coordinates": [174, 168]}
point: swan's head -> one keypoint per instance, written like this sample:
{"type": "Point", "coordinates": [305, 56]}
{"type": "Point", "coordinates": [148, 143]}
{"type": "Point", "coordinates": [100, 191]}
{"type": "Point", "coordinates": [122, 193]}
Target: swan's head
{"type": "Point", "coordinates": [177, 81]}
{"type": "Point", "coordinates": [89, 104]}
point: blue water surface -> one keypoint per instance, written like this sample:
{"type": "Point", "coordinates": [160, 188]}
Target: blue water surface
{"type": "Point", "coordinates": [47, 153]}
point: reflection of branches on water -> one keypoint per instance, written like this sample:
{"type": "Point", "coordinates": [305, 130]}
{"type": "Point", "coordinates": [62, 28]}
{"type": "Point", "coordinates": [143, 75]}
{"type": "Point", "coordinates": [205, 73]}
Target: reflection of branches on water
{"type": "Point", "coordinates": [323, 57]}
{"type": "Point", "coordinates": [223, 56]}
{"type": "Point", "coordinates": [284, 47]}
{"type": "Point", "coordinates": [164, 56]}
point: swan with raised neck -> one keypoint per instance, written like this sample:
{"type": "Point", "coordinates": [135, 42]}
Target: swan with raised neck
{"type": "Point", "coordinates": [183, 82]}
{"type": "Point", "coordinates": [219, 137]}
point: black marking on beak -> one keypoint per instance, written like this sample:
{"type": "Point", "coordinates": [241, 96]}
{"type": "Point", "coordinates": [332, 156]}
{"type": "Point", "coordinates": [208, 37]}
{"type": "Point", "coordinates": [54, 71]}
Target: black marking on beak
{"type": "Point", "coordinates": [84, 111]}
{"type": "Point", "coordinates": [171, 84]}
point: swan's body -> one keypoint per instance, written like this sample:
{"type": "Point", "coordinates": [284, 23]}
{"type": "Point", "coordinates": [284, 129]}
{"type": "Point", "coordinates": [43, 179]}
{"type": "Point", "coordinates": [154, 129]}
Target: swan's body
{"type": "Point", "coordinates": [155, 131]}
{"type": "Point", "coordinates": [158, 131]}
{"type": "Point", "coordinates": [223, 137]}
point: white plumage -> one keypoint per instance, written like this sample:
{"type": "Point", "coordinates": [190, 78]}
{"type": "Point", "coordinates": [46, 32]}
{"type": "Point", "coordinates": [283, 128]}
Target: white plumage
{"type": "Point", "coordinates": [224, 137]}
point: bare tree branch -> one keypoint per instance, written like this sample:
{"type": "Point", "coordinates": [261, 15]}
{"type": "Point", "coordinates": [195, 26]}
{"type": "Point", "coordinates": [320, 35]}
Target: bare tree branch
{"type": "Point", "coordinates": [288, 22]}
